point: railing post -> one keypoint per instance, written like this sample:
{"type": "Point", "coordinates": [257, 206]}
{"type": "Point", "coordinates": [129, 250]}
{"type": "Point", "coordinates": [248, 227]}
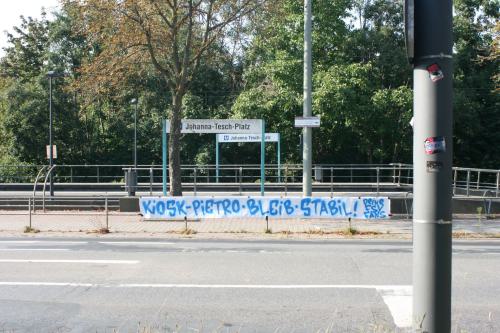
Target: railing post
{"type": "Point", "coordinates": [286, 180]}
{"type": "Point", "coordinates": [393, 174]}
{"type": "Point", "coordinates": [195, 172]}
{"type": "Point", "coordinates": [478, 179]}
{"type": "Point", "coordinates": [71, 173]}
{"type": "Point", "coordinates": [498, 184]}
{"type": "Point", "coordinates": [29, 209]}
{"type": "Point", "coordinates": [331, 182]}
{"type": "Point", "coordinates": [378, 181]}
{"type": "Point", "coordinates": [106, 209]}
{"type": "Point", "coordinates": [241, 178]}
{"type": "Point", "coordinates": [468, 182]}
{"type": "Point", "coordinates": [151, 177]}
{"type": "Point", "coordinates": [455, 181]}
{"type": "Point", "coordinates": [98, 178]}
{"type": "Point", "coordinates": [399, 175]}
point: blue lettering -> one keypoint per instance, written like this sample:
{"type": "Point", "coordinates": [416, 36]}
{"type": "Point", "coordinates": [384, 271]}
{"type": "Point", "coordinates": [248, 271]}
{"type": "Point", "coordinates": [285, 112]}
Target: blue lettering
{"type": "Point", "coordinates": [236, 206]}
{"type": "Point", "coordinates": [355, 210]}
{"type": "Point", "coordinates": [196, 206]}
{"type": "Point", "coordinates": [316, 202]}
{"type": "Point", "coordinates": [304, 206]}
{"type": "Point", "coordinates": [218, 205]}
{"type": "Point", "coordinates": [226, 203]}
{"type": "Point", "coordinates": [273, 204]}
{"type": "Point", "coordinates": [261, 208]}
{"type": "Point", "coordinates": [333, 207]}
{"type": "Point", "coordinates": [160, 207]}
{"type": "Point", "coordinates": [252, 207]}
{"type": "Point", "coordinates": [180, 207]}
{"type": "Point", "coordinates": [147, 208]}
{"type": "Point", "coordinates": [323, 208]}
{"type": "Point", "coordinates": [209, 207]}
{"type": "Point", "coordinates": [289, 207]}
{"type": "Point", "coordinates": [171, 208]}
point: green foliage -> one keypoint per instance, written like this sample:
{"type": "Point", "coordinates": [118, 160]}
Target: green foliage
{"type": "Point", "coordinates": [362, 90]}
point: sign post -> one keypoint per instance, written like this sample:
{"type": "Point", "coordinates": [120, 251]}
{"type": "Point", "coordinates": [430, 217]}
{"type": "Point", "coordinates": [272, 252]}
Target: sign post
{"type": "Point", "coordinates": [164, 156]}
{"type": "Point", "coordinates": [217, 158]}
{"type": "Point", "coordinates": [279, 158]}
{"type": "Point", "coordinates": [262, 157]}
{"type": "Point", "coordinates": [432, 162]}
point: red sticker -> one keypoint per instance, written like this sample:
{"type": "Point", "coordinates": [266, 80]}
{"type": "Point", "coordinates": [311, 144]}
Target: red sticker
{"type": "Point", "coordinates": [435, 72]}
{"type": "Point", "coordinates": [435, 145]}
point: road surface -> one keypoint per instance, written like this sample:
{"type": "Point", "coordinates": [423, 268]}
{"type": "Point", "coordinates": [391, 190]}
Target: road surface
{"type": "Point", "coordinates": [145, 285]}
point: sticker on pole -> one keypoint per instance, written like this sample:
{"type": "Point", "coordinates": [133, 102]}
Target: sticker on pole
{"type": "Point", "coordinates": [435, 145]}
{"type": "Point", "coordinates": [434, 166]}
{"type": "Point", "coordinates": [435, 72]}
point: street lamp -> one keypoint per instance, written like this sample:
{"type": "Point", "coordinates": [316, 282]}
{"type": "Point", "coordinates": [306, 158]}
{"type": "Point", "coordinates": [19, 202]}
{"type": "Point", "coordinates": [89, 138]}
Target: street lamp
{"type": "Point", "coordinates": [136, 102]}
{"type": "Point", "coordinates": [50, 75]}
{"type": "Point", "coordinates": [131, 176]}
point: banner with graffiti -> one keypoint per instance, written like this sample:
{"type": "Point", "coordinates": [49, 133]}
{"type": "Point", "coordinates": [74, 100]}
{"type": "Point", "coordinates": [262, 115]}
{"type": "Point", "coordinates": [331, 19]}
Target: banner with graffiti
{"type": "Point", "coordinates": [260, 207]}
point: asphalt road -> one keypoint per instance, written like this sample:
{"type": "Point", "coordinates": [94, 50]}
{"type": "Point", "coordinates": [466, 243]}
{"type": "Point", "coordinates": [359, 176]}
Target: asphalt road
{"type": "Point", "coordinates": [144, 285]}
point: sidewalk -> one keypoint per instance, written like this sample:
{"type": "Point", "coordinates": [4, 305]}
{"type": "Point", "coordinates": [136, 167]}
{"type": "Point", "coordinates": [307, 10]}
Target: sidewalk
{"type": "Point", "coordinates": [131, 223]}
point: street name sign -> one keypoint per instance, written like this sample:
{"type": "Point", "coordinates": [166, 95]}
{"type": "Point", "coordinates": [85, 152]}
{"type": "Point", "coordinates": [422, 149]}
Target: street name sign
{"type": "Point", "coordinates": [307, 121]}
{"type": "Point", "coordinates": [270, 137]}
{"type": "Point", "coordinates": [229, 126]}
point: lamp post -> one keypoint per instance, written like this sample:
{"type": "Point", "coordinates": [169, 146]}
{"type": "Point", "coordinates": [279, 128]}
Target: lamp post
{"type": "Point", "coordinates": [50, 75]}
{"type": "Point", "coordinates": [136, 102]}
{"type": "Point", "coordinates": [132, 174]}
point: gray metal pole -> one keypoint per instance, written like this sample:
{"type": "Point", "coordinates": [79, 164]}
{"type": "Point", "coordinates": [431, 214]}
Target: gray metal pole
{"type": "Point", "coordinates": [432, 159]}
{"type": "Point", "coordinates": [135, 136]}
{"type": "Point", "coordinates": [307, 112]}
{"type": "Point", "coordinates": [51, 155]}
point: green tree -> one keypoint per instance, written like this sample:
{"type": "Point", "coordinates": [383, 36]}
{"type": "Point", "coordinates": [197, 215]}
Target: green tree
{"type": "Point", "coordinates": [174, 36]}
{"type": "Point", "coordinates": [476, 103]}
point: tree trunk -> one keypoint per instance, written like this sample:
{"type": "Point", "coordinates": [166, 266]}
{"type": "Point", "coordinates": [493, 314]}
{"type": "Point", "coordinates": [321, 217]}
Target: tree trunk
{"type": "Point", "coordinates": [174, 150]}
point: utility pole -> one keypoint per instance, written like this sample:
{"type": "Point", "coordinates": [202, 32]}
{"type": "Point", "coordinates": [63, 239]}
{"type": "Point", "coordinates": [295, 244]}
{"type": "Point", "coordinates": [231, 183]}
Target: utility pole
{"type": "Point", "coordinates": [50, 75]}
{"type": "Point", "coordinates": [432, 165]}
{"type": "Point", "coordinates": [307, 112]}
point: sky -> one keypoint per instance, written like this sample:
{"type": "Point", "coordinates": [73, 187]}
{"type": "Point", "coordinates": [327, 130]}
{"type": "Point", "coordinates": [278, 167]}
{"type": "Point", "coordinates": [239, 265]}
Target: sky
{"type": "Point", "coordinates": [10, 10]}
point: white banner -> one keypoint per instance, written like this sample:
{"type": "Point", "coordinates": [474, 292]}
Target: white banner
{"type": "Point", "coordinates": [232, 126]}
{"type": "Point", "coordinates": [270, 137]}
{"type": "Point", "coordinates": [289, 207]}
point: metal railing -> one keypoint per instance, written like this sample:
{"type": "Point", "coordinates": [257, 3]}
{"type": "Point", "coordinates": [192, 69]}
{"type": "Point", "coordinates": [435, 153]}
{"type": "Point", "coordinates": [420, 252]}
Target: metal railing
{"type": "Point", "coordinates": [466, 181]}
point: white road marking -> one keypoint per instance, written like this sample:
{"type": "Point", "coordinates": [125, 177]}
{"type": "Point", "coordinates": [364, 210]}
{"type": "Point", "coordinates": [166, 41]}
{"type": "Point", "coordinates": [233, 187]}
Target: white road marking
{"type": "Point", "coordinates": [47, 284]}
{"type": "Point", "coordinates": [402, 289]}
{"type": "Point", "coordinates": [42, 242]}
{"type": "Point", "coordinates": [400, 302]}
{"type": "Point", "coordinates": [18, 242]}
{"type": "Point", "coordinates": [398, 298]}
{"type": "Point", "coordinates": [83, 261]}
{"type": "Point", "coordinates": [34, 249]}
{"type": "Point", "coordinates": [137, 243]}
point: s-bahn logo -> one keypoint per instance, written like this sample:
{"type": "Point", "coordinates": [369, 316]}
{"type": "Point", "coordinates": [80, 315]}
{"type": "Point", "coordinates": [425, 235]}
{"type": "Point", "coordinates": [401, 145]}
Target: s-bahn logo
{"type": "Point", "coordinates": [435, 72]}
{"type": "Point", "coordinates": [435, 145]}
